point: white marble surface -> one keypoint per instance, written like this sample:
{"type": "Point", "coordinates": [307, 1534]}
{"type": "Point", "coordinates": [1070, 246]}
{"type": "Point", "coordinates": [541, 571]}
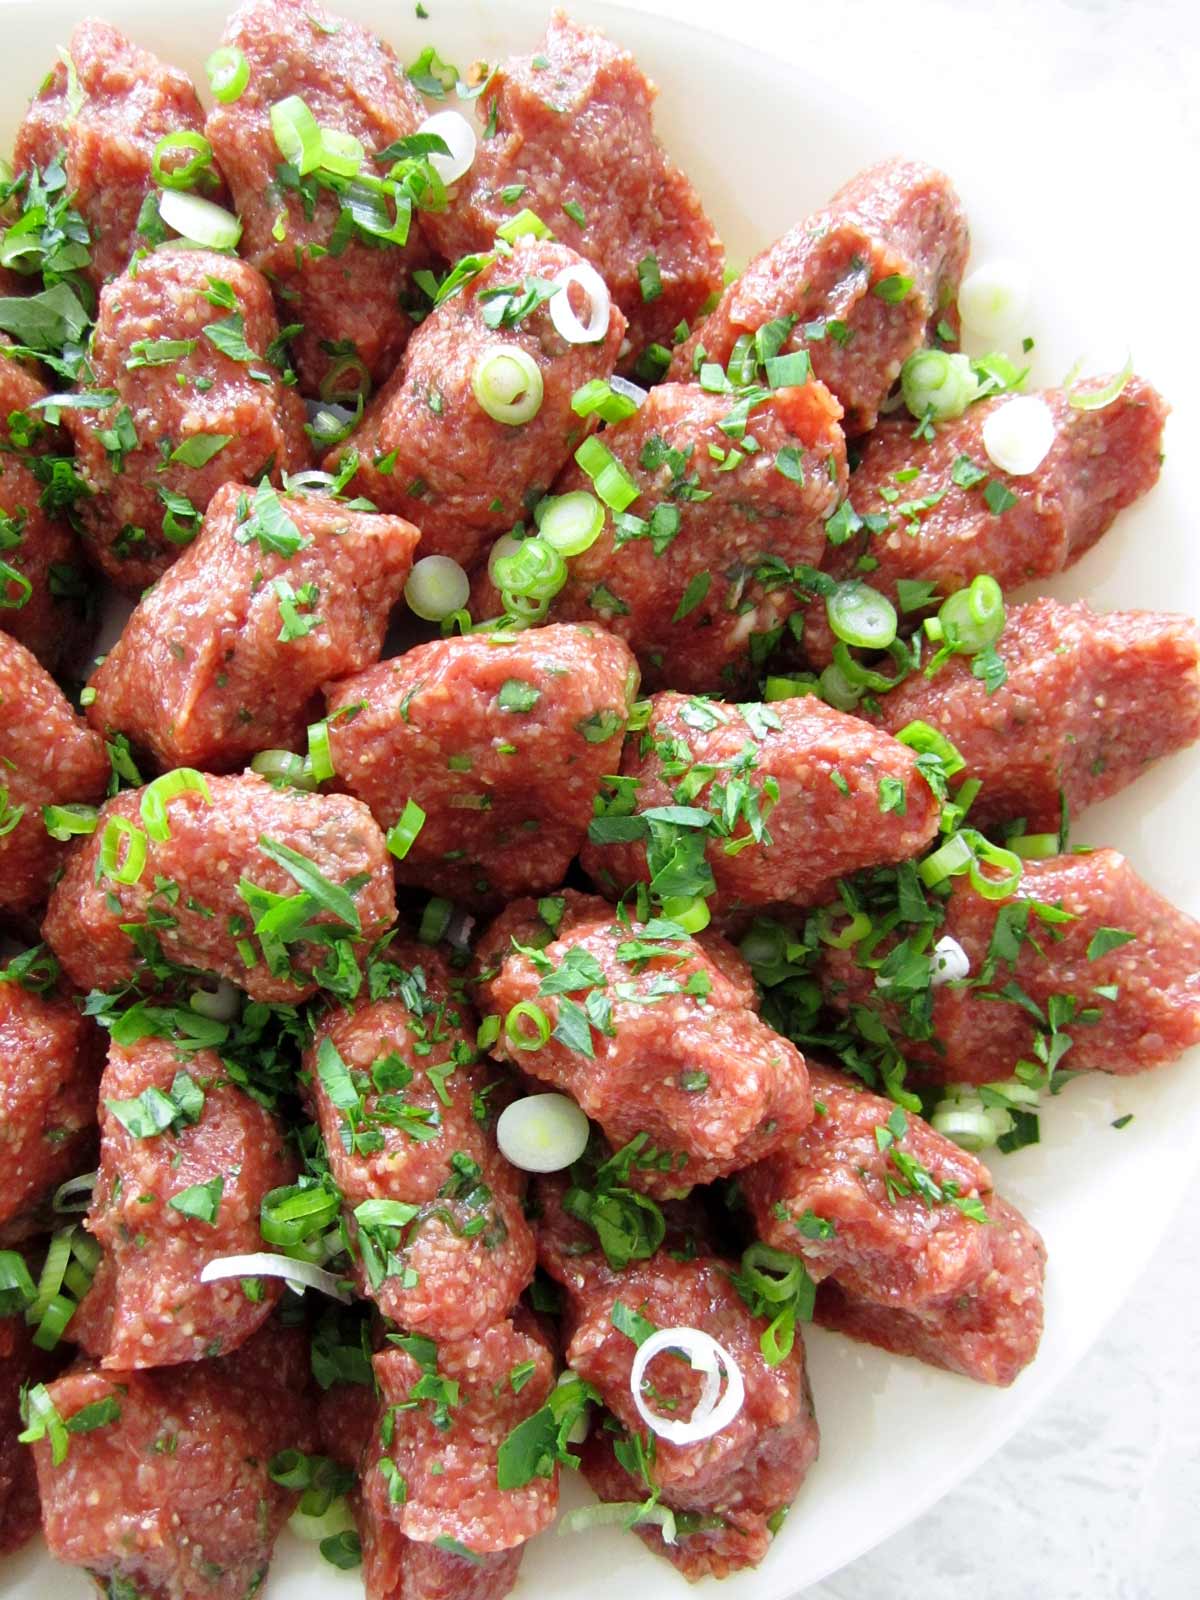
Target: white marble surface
{"type": "Point", "coordinates": [1098, 1497]}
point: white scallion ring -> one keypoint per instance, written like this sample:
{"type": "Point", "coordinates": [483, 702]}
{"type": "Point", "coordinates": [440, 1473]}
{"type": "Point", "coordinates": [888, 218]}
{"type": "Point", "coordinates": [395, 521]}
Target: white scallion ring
{"type": "Point", "coordinates": [994, 300]}
{"type": "Point", "coordinates": [631, 391]}
{"type": "Point", "coordinates": [563, 315]}
{"type": "Point", "coordinates": [1019, 434]}
{"type": "Point", "coordinates": [542, 1132]}
{"type": "Point", "coordinates": [950, 962]}
{"type": "Point", "coordinates": [298, 1275]}
{"type": "Point", "coordinates": [457, 134]}
{"type": "Point", "coordinates": [706, 1356]}
{"type": "Point", "coordinates": [437, 587]}
{"type": "Point", "coordinates": [221, 1003]}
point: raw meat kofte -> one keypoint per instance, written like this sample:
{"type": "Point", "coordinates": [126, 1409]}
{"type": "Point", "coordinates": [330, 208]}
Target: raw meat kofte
{"type": "Point", "coordinates": [695, 572]}
{"type": "Point", "coordinates": [186, 345]}
{"type": "Point", "coordinates": [342, 287]}
{"type": "Point", "coordinates": [857, 285]}
{"type": "Point", "coordinates": [234, 848]}
{"type": "Point", "coordinates": [479, 412]}
{"type": "Point", "coordinates": [499, 742]}
{"type": "Point", "coordinates": [275, 596]}
{"type": "Point", "coordinates": [104, 106]}
{"type": "Point", "coordinates": [435, 1215]}
{"type": "Point", "coordinates": [568, 137]}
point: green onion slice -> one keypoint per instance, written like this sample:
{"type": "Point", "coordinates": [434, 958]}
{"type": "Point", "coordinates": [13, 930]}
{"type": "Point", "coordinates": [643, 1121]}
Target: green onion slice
{"type": "Point", "coordinates": [402, 835]}
{"type": "Point", "coordinates": [228, 74]}
{"type": "Point", "coordinates": [1097, 399]}
{"type": "Point", "coordinates": [610, 479]}
{"type": "Point", "coordinates": [535, 568]}
{"type": "Point", "coordinates": [320, 756]}
{"type": "Point", "coordinates": [437, 587]}
{"type": "Point", "coordinates": [571, 522]}
{"type": "Point", "coordinates": [186, 174]}
{"type": "Point", "coordinates": [297, 134]}
{"type": "Point", "coordinates": [118, 831]}
{"type": "Point", "coordinates": [62, 822]}
{"type": "Point", "coordinates": [284, 767]}
{"type": "Point", "coordinates": [155, 796]}
{"type": "Point", "coordinates": [507, 382]}
{"type": "Point", "coordinates": [527, 1027]}
{"type": "Point", "coordinates": [861, 616]}
{"type": "Point", "coordinates": [199, 220]}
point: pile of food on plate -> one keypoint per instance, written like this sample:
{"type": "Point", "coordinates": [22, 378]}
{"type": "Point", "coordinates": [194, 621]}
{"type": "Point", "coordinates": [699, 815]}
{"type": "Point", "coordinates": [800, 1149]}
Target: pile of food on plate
{"type": "Point", "coordinates": [434, 1059]}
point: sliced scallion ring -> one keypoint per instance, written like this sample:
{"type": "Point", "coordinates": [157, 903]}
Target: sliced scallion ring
{"type": "Point", "coordinates": [1034, 846]}
{"type": "Point", "coordinates": [120, 832]}
{"type": "Point", "coordinates": [837, 690]}
{"type": "Point", "coordinates": [947, 861]}
{"type": "Point", "coordinates": [691, 912]}
{"type": "Point", "coordinates": [50, 1280]}
{"type": "Point", "coordinates": [573, 328]}
{"type": "Point", "coordinates": [156, 795]}
{"type": "Point", "coordinates": [298, 1275]}
{"type": "Point", "coordinates": [435, 919]}
{"type": "Point", "coordinates": [986, 854]}
{"type": "Point", "coordinates": [535, 568]}
{"type": "Point", "coordinates": [1096, 399]}
{"type": "Point", "coordinates": [346, 381]}
{"type": "Point", "coordinates": [994, 300]}
{"type": "Point", "coordinates": [707, 1357]}
{"type": "Point", "coordinates": [610, 479]}
{"type": "Point", "coordinates": [506, 545]}
{"type": "Point", "coordinates": [938, 384]}
{"type": "Point", "coordinates": [457, 134]}
{"type": "Point", "coordinates": [221, 1003]}
{"type": "Point", "coordinates": [507, 382]}
{"type": "Point", "coordinates": [437, 586]}
{"type": "Point", "coordinates": [197, 155]}
{"type": "Point", "coordinates": [320, 755]}
{"type": "Point", "coordinates": [283, 767]}
{"type": "Point", "coordinates": [971, 1127]}
{"type": "Point", "coordinates": [973, 618]}
{"type": "Point", "coordinates": [620, 1514]}
{"type": "Point", "coordinates": [228, 73]}
{"type": "Point", "coordinates": [861, 616]}
{"type": "Point", "coordinates": [199, 220]}
{"type": "Point", "coordinates": [343, 155]}
{"type": "Point", "coordinates": [542, 1132]}
{"type": "Point", "coordinates": [571, 522]}
{"type": "Point", "coordinates": [524, 609]}
{"type": "Point", "coordinates": [69, 819]}
{"type": "Point", "coordinates": [527, 1027]}
{"type": "Point", "coordinates": [297, 134]}
{"type": "Point", "coordinates": [75, 1194]}
{"type": "Point", "coordinates": [1019, 434]}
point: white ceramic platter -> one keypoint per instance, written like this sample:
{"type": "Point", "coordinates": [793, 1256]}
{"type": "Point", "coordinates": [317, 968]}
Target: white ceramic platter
{"type": "Point", "coordinates": [766, 140]}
